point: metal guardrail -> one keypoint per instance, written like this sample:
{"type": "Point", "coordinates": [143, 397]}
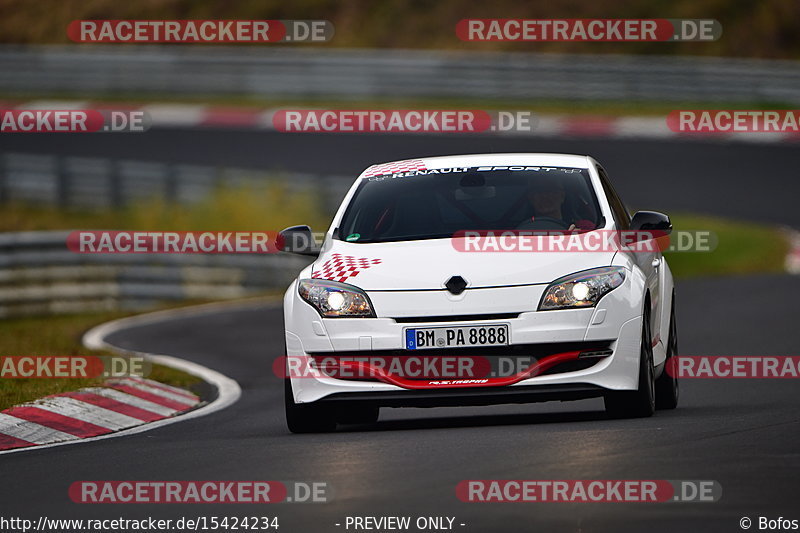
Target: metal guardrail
{"type": "Point", "coordinates": [103, 183]}
{"type": "Point", "coordinates": [348, 73]}
{"type": "Point", "coordinates": [39, 275]}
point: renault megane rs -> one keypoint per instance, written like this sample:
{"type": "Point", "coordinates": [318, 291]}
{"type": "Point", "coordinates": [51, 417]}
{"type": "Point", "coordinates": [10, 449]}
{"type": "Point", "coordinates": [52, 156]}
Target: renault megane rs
{"type": "Point", "coordinates": [477, 280]}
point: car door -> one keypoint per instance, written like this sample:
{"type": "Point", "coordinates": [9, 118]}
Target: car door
{"type": "Point", "coordinates": [648, 261]}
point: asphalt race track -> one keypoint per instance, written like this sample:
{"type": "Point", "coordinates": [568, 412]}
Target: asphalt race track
{"type": "Point", "coordinates": [741, 433]}
{"type": "Point", "coordinates": [752, 181]}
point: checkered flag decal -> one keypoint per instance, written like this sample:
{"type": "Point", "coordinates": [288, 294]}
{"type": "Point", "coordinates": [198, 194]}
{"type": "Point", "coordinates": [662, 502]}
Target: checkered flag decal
{"type": "Point", "coordinates": [397, 166]}
{"type": "Point", "coordinates": [341, 267]}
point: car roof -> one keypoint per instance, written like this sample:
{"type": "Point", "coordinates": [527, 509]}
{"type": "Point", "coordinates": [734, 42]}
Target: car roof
{"type": "Point", "coordinates": [473, 160]}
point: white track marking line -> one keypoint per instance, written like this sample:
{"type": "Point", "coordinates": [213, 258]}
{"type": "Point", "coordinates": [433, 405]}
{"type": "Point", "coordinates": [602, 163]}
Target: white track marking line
{"type": "Point", "coordinates": [94, 339]}
{"type": "Point", "coordinates": [56, 104]}
{"type": "Point", "coordinates": [87, 412]}
{"type": "Point", "coordinates": [133, 401]}
{"type": "Point", "coordinates": [31, 431]}
{"type": "Point", "coordinates": [175, 114]}
{"type": "Point", "coordinates": [228, 390]}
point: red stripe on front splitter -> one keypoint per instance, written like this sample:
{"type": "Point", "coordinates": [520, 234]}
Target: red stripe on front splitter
{"type": "Point", "coordinates": [166, 402]}
{"type": "Point", "coordinates": [62, 423]}
{"type": "Point", "coordinates": [8, 442]}
{"type": "Point", "coordinates": [114, 405]}
{"type": "Point", "coordinates": [535, 369]}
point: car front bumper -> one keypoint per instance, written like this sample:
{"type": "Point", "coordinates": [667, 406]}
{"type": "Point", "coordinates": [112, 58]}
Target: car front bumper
{"type": "Point", "coordinates": [616, 320]}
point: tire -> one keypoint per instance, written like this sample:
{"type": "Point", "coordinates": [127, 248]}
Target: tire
{"type": "Point", "coordinates": [358, 414]}
{"type": "Point", "coordinates": [640, 403]}
{"type": "Point", "coordinates": [306, 418]}
{"type": "Point", "coordinates": [667, 390]}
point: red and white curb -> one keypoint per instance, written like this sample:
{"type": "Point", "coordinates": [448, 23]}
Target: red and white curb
{"type": "Point", "coordinates": [123, 406]}
{"type": "Point", "coordinates": [546, 125]}
{"type": "Point", "coordinates": [90, 412]}
{"type": "Point", "coordinates": [793, 257]}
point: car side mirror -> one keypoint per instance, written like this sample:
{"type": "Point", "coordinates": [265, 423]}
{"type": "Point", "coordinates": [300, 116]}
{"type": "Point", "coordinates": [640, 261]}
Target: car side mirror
{"type": "Point", "coordinates": [298, 240]}
{"type": "Point", "coordinates": [651, 221]}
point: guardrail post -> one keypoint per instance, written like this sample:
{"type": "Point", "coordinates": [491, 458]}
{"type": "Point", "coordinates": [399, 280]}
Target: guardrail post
{"type": "Point", "coordinates": [115, 183]}
{"type": "Point", "coordinates": [62, 183]}
{"type": "Point", "coordinates": [171, 185]}
{"type": "Point", "coordinates": [3, 178]}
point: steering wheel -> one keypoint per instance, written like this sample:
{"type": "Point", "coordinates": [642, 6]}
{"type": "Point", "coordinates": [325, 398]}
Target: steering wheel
{"type": "Point", "coordinates": [543, 223]}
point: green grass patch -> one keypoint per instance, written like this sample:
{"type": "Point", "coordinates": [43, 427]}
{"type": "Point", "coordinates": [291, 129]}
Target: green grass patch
{"type": "Point", "coordinates": [61, 335]}
{"type": "Point", "coordinates": [268, 207]}
{"type": "Point", "coordinates": [742, 248]}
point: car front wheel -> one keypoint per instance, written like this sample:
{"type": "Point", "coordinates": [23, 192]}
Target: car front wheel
{"type": "Point", "coordinates": [306, 418]}
{"type": "Point", "coordinates": [640, 403]}
{"type": "Point", "coordinates": [667, 384]}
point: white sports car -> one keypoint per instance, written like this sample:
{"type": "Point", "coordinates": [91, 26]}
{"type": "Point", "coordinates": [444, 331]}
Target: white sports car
{"type": "Point", "coordinates": [477, 280]}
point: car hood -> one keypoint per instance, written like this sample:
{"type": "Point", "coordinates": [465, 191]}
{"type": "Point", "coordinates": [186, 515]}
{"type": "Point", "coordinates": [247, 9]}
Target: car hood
{"type": "Point", "coordinates": [428, 264]}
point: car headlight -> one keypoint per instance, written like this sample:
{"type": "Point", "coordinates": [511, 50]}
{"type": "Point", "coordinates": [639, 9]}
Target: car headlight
{"type": "Point", "coordinates": [333, 299]}
{"type": "Point", "coordinates": [582, 289]}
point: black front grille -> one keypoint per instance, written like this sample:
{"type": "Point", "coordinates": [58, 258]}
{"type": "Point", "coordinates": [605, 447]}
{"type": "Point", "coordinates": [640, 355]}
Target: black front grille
{"type": "Point", "coordinates": [537, 350]}
{"type": "Point", "coordinates": [488, 361]}
{"type": "Point", "coordinates": [570, 366]}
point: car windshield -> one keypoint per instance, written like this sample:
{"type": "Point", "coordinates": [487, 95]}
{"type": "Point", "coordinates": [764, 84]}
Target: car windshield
{"type": "Point", "coordinates": [431, 204]}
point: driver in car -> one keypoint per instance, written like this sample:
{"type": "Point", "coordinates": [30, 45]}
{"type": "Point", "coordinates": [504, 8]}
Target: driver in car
{"type": "Point", "coordinates": [547, 196]}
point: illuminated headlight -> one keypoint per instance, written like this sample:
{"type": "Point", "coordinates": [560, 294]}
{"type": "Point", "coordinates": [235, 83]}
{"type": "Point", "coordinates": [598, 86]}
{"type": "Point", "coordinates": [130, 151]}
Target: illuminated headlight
{"type": "Point", "coordinates": [333, 299]}
{"type": "Point", "coordinates": [582, 289]}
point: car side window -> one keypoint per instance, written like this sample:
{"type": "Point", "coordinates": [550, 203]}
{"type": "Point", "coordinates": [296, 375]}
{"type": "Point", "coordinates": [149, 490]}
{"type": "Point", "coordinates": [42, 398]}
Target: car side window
{"type": "Point", "coordinates": [621, 216]}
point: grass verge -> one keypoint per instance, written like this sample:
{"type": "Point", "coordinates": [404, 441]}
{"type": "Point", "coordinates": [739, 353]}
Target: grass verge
{"type": "Point", "coordinates": [269, 207]}
{"type": "Point", "coordinates": [742, 248]}
{"type": "Point", "coordinates": [61, 335]}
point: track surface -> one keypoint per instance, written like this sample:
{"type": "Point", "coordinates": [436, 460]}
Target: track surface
{"type": "Point", "coordinates": [740, 433]}
{"type": "Point", "coordinates": [747, 180]}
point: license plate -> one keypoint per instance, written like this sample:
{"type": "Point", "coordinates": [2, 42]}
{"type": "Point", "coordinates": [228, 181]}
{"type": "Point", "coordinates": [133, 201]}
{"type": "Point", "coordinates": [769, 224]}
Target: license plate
{"type": "Point", "coordinates": [444, 337]}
